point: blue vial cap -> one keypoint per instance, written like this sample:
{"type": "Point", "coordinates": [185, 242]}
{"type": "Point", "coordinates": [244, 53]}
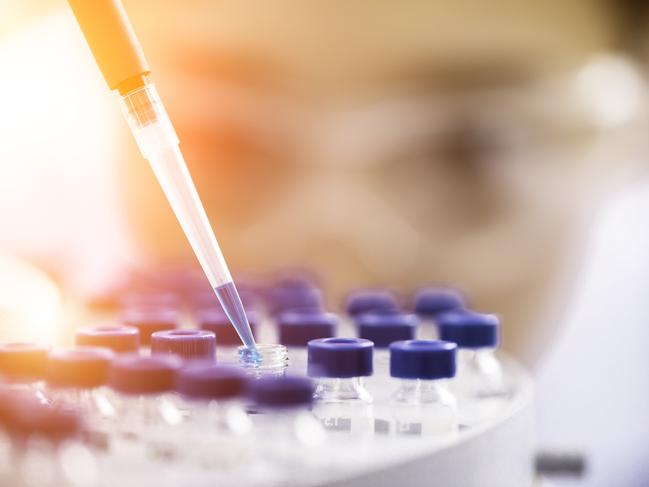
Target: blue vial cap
{"type": "Point", "coordinates": [211, 382]}
{"type": "Point", "coordinates": [340, 357]}
{"type": "Point", "coordinates": [432, 301]}
{"type": "Point", "coordinates": [383, 329]}
{"type": "Point", "coordinates": [216, 321]}
{"type": "Point", "coordinates": [422, 359]}
{"type": "Point", "coordinates": [281, 392]}
{"type": "Point", "coordinates": [297, 328]}
{"type": "Point", "coordinates": [469, 329]}
{"type": "Point", "coordinates": [376, 301]}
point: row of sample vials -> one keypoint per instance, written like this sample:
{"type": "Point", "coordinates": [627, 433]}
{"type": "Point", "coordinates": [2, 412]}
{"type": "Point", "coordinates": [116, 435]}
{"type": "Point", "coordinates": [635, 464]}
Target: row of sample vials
{"type": "Point", "coordinates": [152, 391]}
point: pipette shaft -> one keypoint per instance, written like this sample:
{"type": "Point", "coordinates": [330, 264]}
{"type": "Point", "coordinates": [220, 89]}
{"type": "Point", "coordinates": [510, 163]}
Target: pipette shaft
{"type": "Point", "coordinates": [118, 54]}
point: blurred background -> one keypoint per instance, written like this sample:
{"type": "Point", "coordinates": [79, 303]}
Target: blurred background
{"type": "Point", "coordinates": [498, 146]}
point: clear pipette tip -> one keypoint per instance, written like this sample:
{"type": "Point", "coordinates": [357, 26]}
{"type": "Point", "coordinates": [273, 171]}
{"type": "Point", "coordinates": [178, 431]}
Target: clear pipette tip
{"type": "Point", "coordinates": [236, 313]}
{"type": "Point", "coordinates": [158, 143]}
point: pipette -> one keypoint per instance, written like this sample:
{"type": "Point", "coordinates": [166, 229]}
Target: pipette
{"type": "Point", "coordinates": [117, 51]}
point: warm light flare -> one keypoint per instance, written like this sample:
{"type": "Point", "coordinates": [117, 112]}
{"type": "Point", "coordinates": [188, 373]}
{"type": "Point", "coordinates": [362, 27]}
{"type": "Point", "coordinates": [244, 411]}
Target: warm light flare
{"type": "Point", "coordinates": [30, 303]}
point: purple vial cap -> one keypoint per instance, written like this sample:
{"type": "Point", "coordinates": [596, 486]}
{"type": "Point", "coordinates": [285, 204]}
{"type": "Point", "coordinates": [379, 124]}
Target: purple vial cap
{"type": "Point", "coordinates": [469, 329]}
{"type": "Point", "coordinates": [212, 382]}
{"type": "Point", "coordinates": [26, 417]}
{"type": "Point", "coordinates": [150, 320]}
{"type": "Point", "coordinates": [422, 359]}
{"type": "Point", "coordinates": [187, 344]}
{"type": "Point", "coordinates": [133, 374]}
{"type": "Point", "coordinates": [432, 301]}
{"type": "Point", "coordinates": [340, 357]}
{"type": "Point", "coordinates": [82, 367]}
{"type": "Point", "coordinates": [383, 329]}
{"type": "Point", "coordinates": [23, 361]}
{"type": "Point", "coordinates": [282, 299]}
{"type": "Point", "coordinates": [376, 301]}
{"type": "Point", "coordinates": [297, 328]}
{"type": "Point", "coordinates": [297, 279]}
{"type": "Point", "coordinates": [56, 423]}
{"type": "Point", "coordinates": [216, 321]}
{"type": "Point", "coordinates": [281, 392]}
{"type": "Point", "coordinates": [118, 338]}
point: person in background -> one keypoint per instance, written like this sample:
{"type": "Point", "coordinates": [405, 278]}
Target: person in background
{"type": "Point", "coordinates": [397, 143]}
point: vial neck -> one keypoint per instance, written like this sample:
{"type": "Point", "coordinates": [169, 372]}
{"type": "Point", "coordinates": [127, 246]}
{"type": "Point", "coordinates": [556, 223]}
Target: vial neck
{"type": "Point", "coordinates": [474, 353]}
{"type": "Point", "coordinates": [479, 360]}
{"type": "Point", "coordinates": [344, 389]}
{"type": "Point", "coordinates": [423, 391]}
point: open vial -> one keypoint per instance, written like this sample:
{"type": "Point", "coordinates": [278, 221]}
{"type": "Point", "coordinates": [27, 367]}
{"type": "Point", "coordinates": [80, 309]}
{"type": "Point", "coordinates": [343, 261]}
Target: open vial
{"type": "Point", "coordinates": [264, 360]}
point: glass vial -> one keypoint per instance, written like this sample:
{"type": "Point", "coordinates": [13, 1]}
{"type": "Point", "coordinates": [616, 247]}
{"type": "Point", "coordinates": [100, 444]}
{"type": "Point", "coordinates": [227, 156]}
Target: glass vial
{"type": "Point", "coordinates": [423, 404]}
{"type": "Point", "coordinates": [480, 385]}
{"type": "Point", "coordinates": [147, 413]}
{"type": "Point", "coordinates": [290, 438]}
{"type": "Point", "coordinates": [264, 360]}
{"type": "Point", "coordinates": [216, 430]}
{"type": "Point", "coordinates": [78, 377]}
{"type": "Point", "coordinates": [342, 403]}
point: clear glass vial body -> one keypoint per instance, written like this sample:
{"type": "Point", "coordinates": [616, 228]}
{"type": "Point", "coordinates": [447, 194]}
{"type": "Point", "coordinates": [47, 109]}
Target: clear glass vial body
{"type": "Point", "coordinates": [293, 446]}
{"type": "Point", "coordinates": [42, 463]}
{"type": "Point", "coordinates": [149, 422]}
{"type": "Point", "coordinates": [344, 405]}
{"type": "Point", "coordinates": [480, 385]}
{"type": "Point", "coordinates": [216, 434]}
{"type": "Point", "coordinates": [380, 383]}
{"type": "Point", "coordinates": [98, 408]}
{"type": "Point", "coordinates": [423, 408]}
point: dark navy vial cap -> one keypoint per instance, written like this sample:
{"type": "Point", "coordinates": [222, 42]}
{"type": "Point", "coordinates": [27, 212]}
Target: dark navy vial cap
{"type": "Point", "coordinates": [281, 392]}
{"type": "Point", "coordinates": [377, 301]}
{"type": "Point", "coordinates": [297, 328]}
{"type": "Point", "coordinates": [340, 357]}
{"type": "Point", "coordinates": [469, 329]}
{"type": "Point", "coordinates": [212, 382]}
{"type": "Point", "coordinates": [422, 359]}
{"type": "Point", "coordinates": [216, 321]}
{"type": "Point", "coordinates": [383, 329]}
{"type": "Point", "coordinates": [432, 301]}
